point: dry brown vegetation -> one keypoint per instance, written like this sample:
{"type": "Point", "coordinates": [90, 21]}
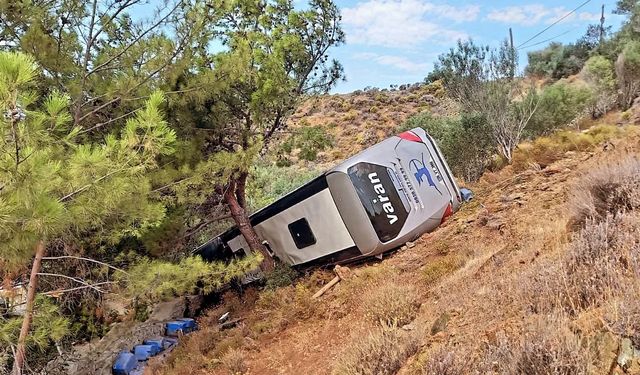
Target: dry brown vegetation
{"type": "Point", "coordinates": [382, 351]}
{"type": "Point", "coordinates": [530, 278]}
{"type": "Point", "coordinates": [360, 119]}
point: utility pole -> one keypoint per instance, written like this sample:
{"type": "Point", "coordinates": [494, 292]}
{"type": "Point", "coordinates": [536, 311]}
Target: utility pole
{"type": "Point", "coordinates": [601, 29]}
{"type": "Point", "coordinates": [513, 54]}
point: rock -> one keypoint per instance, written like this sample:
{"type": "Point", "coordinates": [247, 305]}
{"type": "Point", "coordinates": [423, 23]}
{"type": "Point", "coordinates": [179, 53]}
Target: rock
{"type": "Point", "coordinates": [440, 324]}
{"type": "Point", "coordinates": [409, 327]}
{"type": "Point", "coordinates": [96, 357]}
{"type": "Point", "coordinates": [168, 310]}
{"type": "Point", "coordinates": [626, 352]}
{"type": "Point", "coordinates": [343, 272]}
{"type": "Point", "coordinates": [605, 348]}
{"type": "Point", "coordinates": [410, 244]}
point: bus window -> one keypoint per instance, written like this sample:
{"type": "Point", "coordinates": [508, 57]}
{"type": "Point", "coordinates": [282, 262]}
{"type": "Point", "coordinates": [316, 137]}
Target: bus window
{"type": "Point", "coordinates": [301, 233]}
{"type": "Point", "coordinates": [380, 199]}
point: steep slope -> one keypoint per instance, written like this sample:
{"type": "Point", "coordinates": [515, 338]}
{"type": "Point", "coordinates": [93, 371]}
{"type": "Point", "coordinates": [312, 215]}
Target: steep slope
{"type": "Point", "coordinates": [483, 291]}
{"type": "Point", "coordinates": [360, 119]}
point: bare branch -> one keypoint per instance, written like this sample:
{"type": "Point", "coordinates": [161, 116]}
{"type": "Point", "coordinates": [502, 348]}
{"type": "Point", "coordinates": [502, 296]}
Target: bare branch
{"type": "Point", "coordinates": [85, 259]}
{"type": "Point", "coordinates": [74, 279]}
{"type": "Point", "coordinates": [136, 40]}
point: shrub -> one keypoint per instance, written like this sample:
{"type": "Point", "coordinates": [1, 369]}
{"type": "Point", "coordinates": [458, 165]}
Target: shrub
{"type": "Point", "coordinates": [391, 304]}
{"type": "Point", "coordinates": [559, 104]}
{"type": "Point", "coordinates": [627, 68]}
{"type": "Point", "coordinates": [606, 191]}
{"type": "Point", "coordinates": [551, 348]}
{"type": "Point", "coordinates": [269, 182]}
{"type": "Point", "coordinates": [382, 351]}
{"type": "Point", "coordinates": [444, 362]}
{"type": "Point", "coordinates": [465, 141]}
{"type": "Point", "coordinates": [441, 267]}
{"type": "Point", "coordinates": [285, 305]}
{"type": "Point", "coordinates": [235, 361]}
{"type": "Point", "coordinates": [624, 317]}
{"type": "Point", "coordinates": [281, 276]}
{"type": "Point", "coordinates": [598, 73]}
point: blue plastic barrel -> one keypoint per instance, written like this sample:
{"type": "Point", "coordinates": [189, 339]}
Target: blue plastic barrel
{"type": "Point", "coordinates": [144, 352]}
{"type": "Point", "coordinates": [125, 363]}
{"type": "Point", "coordinates": [158, 342]}
{"type": "Point", "coordinates": [176, 327]}
{"type": "Point", "coordinates": [190, 323]}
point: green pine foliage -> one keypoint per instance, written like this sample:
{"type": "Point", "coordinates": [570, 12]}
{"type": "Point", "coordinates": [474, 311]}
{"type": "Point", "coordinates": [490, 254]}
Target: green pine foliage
{"type": "Point", "coordinates": [270, 182]}
{"type": "Point", "coordinates": [55, 185]}
{"type": "Point", "coordinates": [154, 280]}
{"type": "Point", "coordinates": [48, 326]}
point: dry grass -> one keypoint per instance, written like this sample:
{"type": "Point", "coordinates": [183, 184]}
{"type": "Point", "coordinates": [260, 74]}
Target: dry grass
{"type": "Point", "coordinates": [546, 150]}
{"type": "Point", "coordinates": [191, 356]}
{"type": "Point", "coordinates": [609, 190]}
{"type": "Point", "coordinates": [382, 351]}
{"type": "Point", "coordinates": [445, 362]}
{"type": "Point", "coordinates": [235, 361]}
{"type": "Point", "coordinates": [391, 304]}
{"type": "Point", "coordinates": [600, 260]}
{"type": "Point", "coordinates": [285, 305]}
{"type": "Point", "coordinates": [549, 349]}
{"type": "Point", "coordinates": [440, 267]}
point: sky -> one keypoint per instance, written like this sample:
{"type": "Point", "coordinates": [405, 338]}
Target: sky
{"type": "Point", "coordinates": [397, 41]}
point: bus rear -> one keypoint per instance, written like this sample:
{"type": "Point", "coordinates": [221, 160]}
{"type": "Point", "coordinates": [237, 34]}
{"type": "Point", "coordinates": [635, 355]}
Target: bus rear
{"type": "Point", "coordinates": [393, 192]}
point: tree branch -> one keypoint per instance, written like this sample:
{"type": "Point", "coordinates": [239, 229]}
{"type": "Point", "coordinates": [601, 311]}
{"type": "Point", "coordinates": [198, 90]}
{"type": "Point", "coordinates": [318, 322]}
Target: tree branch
{"type": "Point", "coordinates": [85, 259]}
{"type": "Point", "coordinates": [72, 279]}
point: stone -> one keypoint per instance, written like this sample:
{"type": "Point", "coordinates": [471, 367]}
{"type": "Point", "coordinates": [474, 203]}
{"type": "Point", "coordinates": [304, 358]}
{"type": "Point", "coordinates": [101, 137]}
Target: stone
{"type": "Point", "coordinates": [343, 272]}
{"type": "Point", "coordinates": [625, 355]}
{"type": "Point", "coordinates": [440, 324]}
{"type": "Point", "coordinates": [409, 327]}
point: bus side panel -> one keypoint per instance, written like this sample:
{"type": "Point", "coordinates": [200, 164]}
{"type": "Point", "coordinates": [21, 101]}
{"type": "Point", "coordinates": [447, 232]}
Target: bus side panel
{"type": "Point", "coordinates": [324, 221]}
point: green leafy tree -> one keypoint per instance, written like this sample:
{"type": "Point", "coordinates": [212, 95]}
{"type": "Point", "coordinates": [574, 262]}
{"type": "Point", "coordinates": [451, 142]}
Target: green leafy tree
{"type": "Point", "coordinates": [627, 68]}
{"type": "Point", "coordinates": [57, 188]}
{"type": "Point", "coordinates": [560, 104]}
{"type": "Point", "coordinates": [106, 60]}
{"type": "Point", "coordinates": [483, 81]}
{"type": "Point", "coordinates": [466, 141]}
{"type": "Point", "coordinates": [273, 56]}
{"type": "Point", "coordinates": [599, 74]}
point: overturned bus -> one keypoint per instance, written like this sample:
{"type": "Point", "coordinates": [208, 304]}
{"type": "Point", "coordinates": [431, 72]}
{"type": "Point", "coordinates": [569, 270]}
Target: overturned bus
{"type": "Point", "coordinates": [375, 201]}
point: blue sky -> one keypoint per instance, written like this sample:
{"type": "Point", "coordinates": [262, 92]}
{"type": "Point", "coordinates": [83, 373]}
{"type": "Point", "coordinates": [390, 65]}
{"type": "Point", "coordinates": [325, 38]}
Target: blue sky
{"type": "Point", "coordinates": [397, 41]}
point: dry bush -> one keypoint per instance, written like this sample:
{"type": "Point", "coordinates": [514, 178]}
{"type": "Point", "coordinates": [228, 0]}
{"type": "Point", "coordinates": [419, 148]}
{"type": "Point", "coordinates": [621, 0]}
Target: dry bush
{"type": "Point", "coordinates": [391, 304]}
{"type": "Point", "coordinates": [445, 362]}
{"type": "Point", "coordinates": [441, 267]}
{"type": "Point", "coordinates": [190, 356]}
{"type": "Point", "coordinates": [285, 305]}
{"type": "Point", "coordinates": [364, 278]}
{"type": "Point", "coordinates": [235, 361]}
{"type": "Point", "coordinates": [624, 317]}
{"type": "Point", "coordinates": [382, 351]}
{"type": "Point", "coordinates": [600, 260]}
{"type": "Point", "coordinates": [550, 349]}
{"type": "Point", "coordinates": [609, 190]}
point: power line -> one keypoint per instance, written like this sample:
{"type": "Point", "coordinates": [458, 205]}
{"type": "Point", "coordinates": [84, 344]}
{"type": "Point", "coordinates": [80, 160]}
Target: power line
{"type": "Point", "coordinates": [554, 23]}
{"type": "Point", "coordinates": [548, 40]}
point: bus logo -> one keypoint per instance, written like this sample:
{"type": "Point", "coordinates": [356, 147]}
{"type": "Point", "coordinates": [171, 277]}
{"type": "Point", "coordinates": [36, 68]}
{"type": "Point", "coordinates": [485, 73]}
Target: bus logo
{"type": "Point", "coordinates": [421, 172]}
{"type": "Point", "coordinates": [383, 198]}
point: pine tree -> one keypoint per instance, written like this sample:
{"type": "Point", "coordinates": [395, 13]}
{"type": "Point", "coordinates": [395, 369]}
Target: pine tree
{"type": "Point", "coordinates": [57, 187]}
{"type": "Point", "coordinates": [273, 56]}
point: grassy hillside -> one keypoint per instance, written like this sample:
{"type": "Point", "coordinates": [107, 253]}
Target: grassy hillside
{"type": "Point", "coordinates": [516, 282]}
{"type": "Point", "coordinates": [360, 119]}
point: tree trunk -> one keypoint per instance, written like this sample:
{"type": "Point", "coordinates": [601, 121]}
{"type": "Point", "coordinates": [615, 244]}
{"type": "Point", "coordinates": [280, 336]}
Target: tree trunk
{"type": "Point", "coordinates": [18, 363]}
{"type": "Point", "coordinates": [244, 225]}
